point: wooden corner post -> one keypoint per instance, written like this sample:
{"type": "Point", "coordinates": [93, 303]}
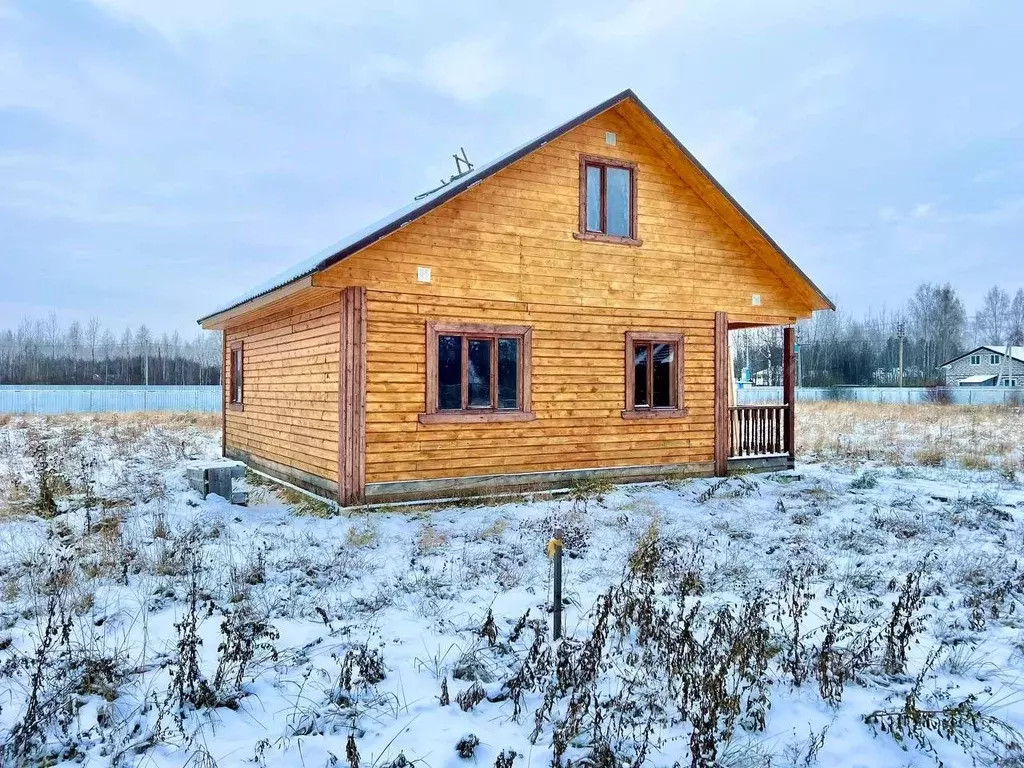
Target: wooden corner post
{"type": "Point", "coordinates": [722, 374]}
{"type": "Point", "coordinates": [789, 389]}
{"type": "Point", "coordinates": [224, 385]}
{"type": "Point", "coordinates": [352, 397]}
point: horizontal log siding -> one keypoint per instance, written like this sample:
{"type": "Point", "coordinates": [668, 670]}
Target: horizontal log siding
{"type": "Point", "coordinates": [578, 386]}
{"type": "Point", "coordinates": [290, 414]}
{"type": "Point", "coordinates": [503, 252]}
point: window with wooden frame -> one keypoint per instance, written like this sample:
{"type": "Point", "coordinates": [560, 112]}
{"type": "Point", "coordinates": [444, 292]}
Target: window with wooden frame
{"type": "Point", "coordinates": [607, 201]}
{"type": "Point", "coordinates": [654, 375]}
{"type": "Point", "coordinates": [477, 372]}
{"type": "Point", "coordinates": [236, 377]}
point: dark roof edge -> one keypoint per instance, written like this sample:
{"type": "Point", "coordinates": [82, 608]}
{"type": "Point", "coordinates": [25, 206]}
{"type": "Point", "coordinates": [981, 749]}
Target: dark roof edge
{"type": "Point", "coordinates": [732, 200]}
{"type": "Point", "coordinates": [454, 189]}
{"type": "Point", "coordinates": [999, 349]}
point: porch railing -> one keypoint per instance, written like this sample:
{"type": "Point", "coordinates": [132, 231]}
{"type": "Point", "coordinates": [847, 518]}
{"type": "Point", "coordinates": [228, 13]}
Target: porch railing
{"type": "Point", "coordinates": [757, 430]}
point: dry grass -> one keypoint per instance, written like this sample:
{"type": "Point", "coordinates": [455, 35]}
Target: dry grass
{"type": "Point", "coordinates": [975, 437]}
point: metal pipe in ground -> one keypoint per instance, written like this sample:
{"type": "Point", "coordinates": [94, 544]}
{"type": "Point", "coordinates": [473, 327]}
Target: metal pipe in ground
{"type": "Point", "coordinates": [556, 547]}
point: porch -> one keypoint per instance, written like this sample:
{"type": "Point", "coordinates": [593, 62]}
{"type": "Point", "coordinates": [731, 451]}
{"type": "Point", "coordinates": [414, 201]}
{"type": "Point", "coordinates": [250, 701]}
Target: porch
{"type": "Point", "coordinates": [753, 437]}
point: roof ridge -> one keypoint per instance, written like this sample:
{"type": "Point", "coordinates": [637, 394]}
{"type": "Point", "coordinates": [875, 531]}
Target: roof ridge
{"type": "Point", "coordinates": [418, 207]}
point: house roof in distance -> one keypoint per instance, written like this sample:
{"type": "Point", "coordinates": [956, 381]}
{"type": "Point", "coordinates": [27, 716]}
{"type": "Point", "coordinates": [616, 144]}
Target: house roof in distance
{"type": "Point", "coordinates": [380, 229]}
{"type": "Point", "coordinates": [1017, 353]}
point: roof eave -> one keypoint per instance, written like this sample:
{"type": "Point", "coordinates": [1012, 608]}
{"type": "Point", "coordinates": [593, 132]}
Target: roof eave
{"type": "Point", "coordinates": [825, 301]}
{"type": "Point", "coordinates": [456, 188]}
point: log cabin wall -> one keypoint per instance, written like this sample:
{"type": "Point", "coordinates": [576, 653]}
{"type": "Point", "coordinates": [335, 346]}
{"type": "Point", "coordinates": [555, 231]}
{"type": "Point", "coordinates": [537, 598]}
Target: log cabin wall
{"type": "Point", "coordinates": [503, 252]}
{"type": "Point", "coordinates": [288, 424]}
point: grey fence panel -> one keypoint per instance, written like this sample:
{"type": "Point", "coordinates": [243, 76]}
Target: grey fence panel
{"type": "Point", "coordinates": [44, 399]}
{"type": "Point", "coordinates": [890, 395]}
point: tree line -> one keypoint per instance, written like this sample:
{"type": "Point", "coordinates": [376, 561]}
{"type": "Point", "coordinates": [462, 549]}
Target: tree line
{"type": "Point", "coordinates": [44, 352]}
{"type": "Point", "coordinates": [836, 348]}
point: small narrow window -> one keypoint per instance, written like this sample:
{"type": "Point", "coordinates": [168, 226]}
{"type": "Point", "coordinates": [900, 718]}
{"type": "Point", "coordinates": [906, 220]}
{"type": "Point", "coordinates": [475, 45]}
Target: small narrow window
{"type": "Point", "coordinates": [975, 359]}
{"type": "Point", "coordinates": [479, 378]}
{"type": "Point", "coordinates": [993, 359]}
{"type": "Point", "coordinates": [654, 375]}
{"type": "Point", "coordinates": [607, 200]}
{"type": "Point", "coordinates": [477, 372]}
{"type": "Point", "coordinates": [236, 376]}
{"type": "Point", "coordinates": [449, 372]}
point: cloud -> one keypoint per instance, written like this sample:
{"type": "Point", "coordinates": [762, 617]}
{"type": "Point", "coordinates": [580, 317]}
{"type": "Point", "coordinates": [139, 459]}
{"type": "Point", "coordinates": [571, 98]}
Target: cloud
{"type": "Point", "coordinates": [466, 69]}
{"type": "Point", "coordinates": [182, 20]}
{"type": "Point", "coordinates": [244, 134]}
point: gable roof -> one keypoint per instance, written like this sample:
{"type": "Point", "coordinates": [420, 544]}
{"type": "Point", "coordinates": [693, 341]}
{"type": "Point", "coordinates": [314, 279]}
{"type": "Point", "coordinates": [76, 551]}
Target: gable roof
{"type": "Point", "coordinates": [365, 237]}
{"type": "Point", "coordinates": [1017, 353]}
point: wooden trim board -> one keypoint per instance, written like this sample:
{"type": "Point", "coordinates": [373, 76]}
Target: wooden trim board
{"type": "Point", "coordinates": [313, 483]}
{"type": "Point", "coordinates": [527, 482]}
{"type": "Point", "coordinates": [352, 396]}
{"type": "Point", "coordinates": [722, 376]}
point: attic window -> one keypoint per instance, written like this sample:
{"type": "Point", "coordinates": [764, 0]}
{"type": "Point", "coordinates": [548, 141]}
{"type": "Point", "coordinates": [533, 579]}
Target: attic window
{"type": "Point", "coordinates": [993, 359]}
{"type": "Point", "coordinates": [975, 359]}
{"type": "Point", "coordinates": [607, 201]}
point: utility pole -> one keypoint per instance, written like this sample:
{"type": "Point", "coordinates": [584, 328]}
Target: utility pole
{"type": "Point", "coordinates": [901, 332]}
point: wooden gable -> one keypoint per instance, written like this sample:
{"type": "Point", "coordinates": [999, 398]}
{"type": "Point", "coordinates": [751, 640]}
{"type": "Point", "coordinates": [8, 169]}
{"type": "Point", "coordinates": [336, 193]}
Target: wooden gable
{"type": "Point", "coordinates": [510, 238]}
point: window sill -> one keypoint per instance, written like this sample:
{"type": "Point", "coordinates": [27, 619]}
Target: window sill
{"type": "Point", "coordinates": [657, 413]}
{"type": "Point", "coordinates": [236, 406]}
{"type": "Point", "coordinates": [479, 417]}
{"type": "Point", "coordinates": [599, 237]}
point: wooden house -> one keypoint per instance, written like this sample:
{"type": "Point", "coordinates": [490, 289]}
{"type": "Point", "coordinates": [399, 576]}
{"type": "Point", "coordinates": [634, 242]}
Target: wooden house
{"type": "Point", "coordinates": [557, 314]}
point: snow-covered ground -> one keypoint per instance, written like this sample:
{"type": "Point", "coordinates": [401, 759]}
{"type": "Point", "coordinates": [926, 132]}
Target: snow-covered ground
{"type": "Point", "coordinates": [847, 614]}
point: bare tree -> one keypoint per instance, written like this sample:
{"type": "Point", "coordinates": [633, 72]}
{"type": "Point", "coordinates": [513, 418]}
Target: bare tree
{"type": "Point", "coordinates": [993, 320]}
{"type": "Point", "coordinates": [1016, 324]}
{"type": "Point", "coordinates": [92, 340]}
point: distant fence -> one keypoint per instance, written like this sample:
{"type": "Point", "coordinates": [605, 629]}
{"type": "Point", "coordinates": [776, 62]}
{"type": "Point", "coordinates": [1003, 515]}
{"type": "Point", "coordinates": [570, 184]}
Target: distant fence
{"type": "Point", "coordinates": [897, 395]}
{"type": "Point", "coordinates": [49, 399]}
{"type": "Point", "coordinates": [207, 399]}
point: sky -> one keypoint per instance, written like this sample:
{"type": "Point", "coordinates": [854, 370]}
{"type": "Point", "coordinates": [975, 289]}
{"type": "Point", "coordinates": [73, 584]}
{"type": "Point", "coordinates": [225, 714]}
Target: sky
{"type": "Point", "coordinates": [158, 158]}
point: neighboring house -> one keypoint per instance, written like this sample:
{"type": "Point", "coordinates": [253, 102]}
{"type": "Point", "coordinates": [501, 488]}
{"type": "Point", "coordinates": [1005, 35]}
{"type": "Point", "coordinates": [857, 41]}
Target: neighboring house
{"type": "Point", "coordinates": [987, 366]}
{"type": "Point", "coordinates": [560, 313]}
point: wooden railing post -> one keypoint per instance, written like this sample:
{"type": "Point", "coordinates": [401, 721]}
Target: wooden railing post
{"type": "Point", "coordinates": [722, 383]}
{"type": "Point", "coordinates": [789, 389]}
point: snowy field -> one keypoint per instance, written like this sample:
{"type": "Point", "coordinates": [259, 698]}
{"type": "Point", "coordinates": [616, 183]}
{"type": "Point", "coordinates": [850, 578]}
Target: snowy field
{"type": "Point", "coordinates": [864, 610]}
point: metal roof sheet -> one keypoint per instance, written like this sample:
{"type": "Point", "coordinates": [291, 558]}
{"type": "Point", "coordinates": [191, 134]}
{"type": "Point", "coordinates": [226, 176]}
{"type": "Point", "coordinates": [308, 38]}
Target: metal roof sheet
{"type": "Point", "coordinates": [397, 219]}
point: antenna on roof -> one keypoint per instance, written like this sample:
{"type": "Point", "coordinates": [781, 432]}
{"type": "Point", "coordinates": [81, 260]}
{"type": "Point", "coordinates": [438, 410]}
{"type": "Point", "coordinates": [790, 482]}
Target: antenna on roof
{"type": "Point", "coordinates": [460, 161]}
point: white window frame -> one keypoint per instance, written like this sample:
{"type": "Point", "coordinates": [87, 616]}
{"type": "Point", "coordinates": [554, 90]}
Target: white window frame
{"type": "Point", "coordinates": [993, 359]}
{"type": "Point", "coordinates": [975, 359]}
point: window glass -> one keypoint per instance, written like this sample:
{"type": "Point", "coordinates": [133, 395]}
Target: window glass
{"type": "Point", "coordinates": [640, 374]}
{"type": "Point", "coordinates": [662, 376]}
{"type": "Point", "coordinates": [449, 372]}
{"type": "Point", "coordinates": [508, 373]}
{"type": "Point", "coordinates": [617, 202]}
{"type": "Point", "coordinates": [479, 373]}
{"type": "Point", "coordinates": [593, 198]}
{"type": "Point", "coordinates": [236, 395]}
